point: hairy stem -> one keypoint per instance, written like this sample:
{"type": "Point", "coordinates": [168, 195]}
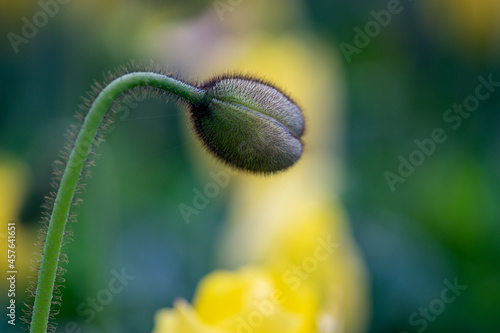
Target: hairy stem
{"type": "Point", "coordinates": [74, 166]}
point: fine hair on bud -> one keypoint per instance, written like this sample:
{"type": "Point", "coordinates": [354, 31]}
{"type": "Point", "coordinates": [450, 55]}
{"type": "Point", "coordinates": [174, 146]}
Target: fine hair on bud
{"type": "Point", "coordinates": [248, 124]}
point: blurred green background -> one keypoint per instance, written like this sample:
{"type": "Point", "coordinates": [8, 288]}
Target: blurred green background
{"type": "Point", "coordinates": [441, 223]}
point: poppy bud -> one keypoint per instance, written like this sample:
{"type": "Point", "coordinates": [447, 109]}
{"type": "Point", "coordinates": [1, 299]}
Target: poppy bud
{"type": "Point", "coordinates": [249, 124]}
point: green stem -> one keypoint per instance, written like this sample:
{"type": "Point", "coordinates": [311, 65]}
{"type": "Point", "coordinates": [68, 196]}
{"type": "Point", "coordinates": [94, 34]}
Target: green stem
{"type": "Point", "coordinates": [74, 166]}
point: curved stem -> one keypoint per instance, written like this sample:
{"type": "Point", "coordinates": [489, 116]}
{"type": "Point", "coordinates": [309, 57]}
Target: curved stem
{"type": "Point", "coordinates": [74, 166]}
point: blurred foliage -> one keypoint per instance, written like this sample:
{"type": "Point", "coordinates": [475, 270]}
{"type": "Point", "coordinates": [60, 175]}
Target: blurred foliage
{"type": "Point", "coordinates": [442, 223]}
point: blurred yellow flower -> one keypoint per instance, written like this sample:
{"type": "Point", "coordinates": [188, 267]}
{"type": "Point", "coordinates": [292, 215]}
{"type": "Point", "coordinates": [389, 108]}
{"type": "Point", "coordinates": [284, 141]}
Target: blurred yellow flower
{"type": "Point", "coordinates": [289, 227]}
{"type": "Point", "coordinates": [470, 26]}
{"type": "Point", "coordinates": [13, 187]}
{"type": "Point", "coordinates": [247, 300]}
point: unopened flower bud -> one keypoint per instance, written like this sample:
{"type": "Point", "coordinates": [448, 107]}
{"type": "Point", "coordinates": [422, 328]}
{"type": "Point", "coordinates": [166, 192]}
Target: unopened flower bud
{"type": "Point", "coordinates": [249, 124]}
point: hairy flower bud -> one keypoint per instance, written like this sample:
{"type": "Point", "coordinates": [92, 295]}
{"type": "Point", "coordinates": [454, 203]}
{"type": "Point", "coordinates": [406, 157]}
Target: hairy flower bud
{"type": "Point", "coordinates": [249, 124]}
